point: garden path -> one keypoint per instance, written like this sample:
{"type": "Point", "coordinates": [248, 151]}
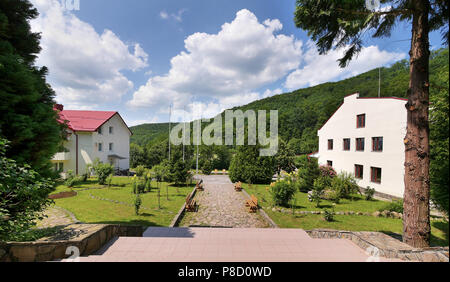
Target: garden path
{"type": "Point", "coordinates": [221, 206]}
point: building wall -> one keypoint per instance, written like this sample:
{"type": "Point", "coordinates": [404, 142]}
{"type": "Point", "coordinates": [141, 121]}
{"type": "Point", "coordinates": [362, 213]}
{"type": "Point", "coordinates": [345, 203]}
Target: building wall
{"type": "Point", "coordinates": [385, 118]}
{"type": "Point", "coordinates": [120, 139]}
{"type": "Point", "coordinates": [88, 147]}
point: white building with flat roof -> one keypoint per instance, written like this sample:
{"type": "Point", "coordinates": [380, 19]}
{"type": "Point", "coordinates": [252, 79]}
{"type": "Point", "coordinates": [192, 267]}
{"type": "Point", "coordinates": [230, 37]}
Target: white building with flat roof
{"type": "Point", "coordinates": [364, 137]}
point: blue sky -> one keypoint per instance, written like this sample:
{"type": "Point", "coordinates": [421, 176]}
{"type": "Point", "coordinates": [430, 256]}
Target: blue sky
{"type": "Point", "coordinates": [138, 56]}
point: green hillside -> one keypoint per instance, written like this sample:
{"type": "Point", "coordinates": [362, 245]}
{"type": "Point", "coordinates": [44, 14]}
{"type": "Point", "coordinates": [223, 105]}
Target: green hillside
{"type": "Point", "coordinates": [302, 112]}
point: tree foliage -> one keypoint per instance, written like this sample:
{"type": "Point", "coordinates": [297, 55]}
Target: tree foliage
{"type": "Point", "coordinates": [27, 118]}
{"type": "Point", "coordinates": [23, 194]}
{"type": "Point", "coordinates": [247, 165]}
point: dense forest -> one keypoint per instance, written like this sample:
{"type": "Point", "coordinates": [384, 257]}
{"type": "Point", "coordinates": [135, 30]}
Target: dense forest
{"type": "Point", "coordinates": [302, 112]}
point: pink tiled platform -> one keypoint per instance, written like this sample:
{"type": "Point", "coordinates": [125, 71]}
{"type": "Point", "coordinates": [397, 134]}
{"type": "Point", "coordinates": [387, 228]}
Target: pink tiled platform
{"type": "Point", "coordinates": [228, 245]}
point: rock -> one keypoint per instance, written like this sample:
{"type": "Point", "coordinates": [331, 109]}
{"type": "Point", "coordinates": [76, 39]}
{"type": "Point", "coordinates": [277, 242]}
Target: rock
{"type": "Point", "coordinates": [2, 253]}
{"type": "Point", "coordinates": [359, 213]}
{"type": "Point", "coordinates": [376, 214]}
{"type": "Point", "coordinates": [430, 257]}
{"type": "Point", "coordinates": [274, 209]}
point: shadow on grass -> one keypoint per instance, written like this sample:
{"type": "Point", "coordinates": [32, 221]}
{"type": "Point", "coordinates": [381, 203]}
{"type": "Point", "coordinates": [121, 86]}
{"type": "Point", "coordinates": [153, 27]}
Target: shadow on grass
{"type": "Point", "coordinates": [442, 226]}
{"type": "Point", "coordinates": [144, 223]}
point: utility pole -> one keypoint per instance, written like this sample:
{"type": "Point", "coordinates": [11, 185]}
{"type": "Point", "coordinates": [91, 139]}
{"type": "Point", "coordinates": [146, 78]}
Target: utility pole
{"type": "Point", "coordinates": [170, 125]}
{"type": "Point", "coordinates": [184, 128]}
{"type": "Point", "coordinates": [198, 134]}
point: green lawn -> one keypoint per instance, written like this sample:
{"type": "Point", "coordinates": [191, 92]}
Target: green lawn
{"type": "Point", "coordinates": [439, 229]}
{"type": "Point", "coordinates": [90, 210]}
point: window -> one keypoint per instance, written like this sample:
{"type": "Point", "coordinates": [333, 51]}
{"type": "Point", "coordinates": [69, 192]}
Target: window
{"type": "Point", "coordinates": [100, 145]}
{"type": "Point", "coordinates": [61, 167]}
{"type": "Point", "coordinates": [330, 163]}
{"type": "Point", "coordinates": [375, 174]}
{"type": "Point", "coordinates": [361, 121]}
{"type": "Point", "coordinates": [377, 144]}
{"type": "Point", "coordinates": [330, 144]}
{"type": "Point", "coordinates": [111, 130]}
{"type": "Point", "coordinates": [359, 171]}
{"type": "Point", "coordinates": [359, 144]}
{"type": "Point", "coordinates": [347, 144]}
{"type": "Point", "coordinates": [111, 146]}
{"type": "Point", "coordinates": [99, 130]}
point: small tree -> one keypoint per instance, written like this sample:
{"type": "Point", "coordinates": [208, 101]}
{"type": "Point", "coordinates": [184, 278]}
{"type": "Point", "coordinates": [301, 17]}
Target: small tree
{"type": "Point", "coordinates": [137, 203]}
{"type": "Point", "coordinates": [103, 171]}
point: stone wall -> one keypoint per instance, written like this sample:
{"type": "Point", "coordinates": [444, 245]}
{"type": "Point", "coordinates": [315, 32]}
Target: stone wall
{"type": "Point", "coordinates": [387, 246]}
{"type": "Point", "coordinates": [88, 238]}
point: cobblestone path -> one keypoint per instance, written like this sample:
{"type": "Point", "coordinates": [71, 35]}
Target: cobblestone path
{"type": "Point", "coordinates": [221, 206]}
{"type": "Point", "coordinates": [56, 216]}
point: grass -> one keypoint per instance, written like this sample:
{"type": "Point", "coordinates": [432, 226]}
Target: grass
{"type": "Point", "coordinates": [89, 210]}
{"type": "Point", "coordinates": [439, 229]}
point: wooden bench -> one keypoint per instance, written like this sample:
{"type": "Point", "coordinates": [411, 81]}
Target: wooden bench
{"type": "Point", "coordinates": [238, 186]}
{"type": "Point", "coordinates": [199, 185]}
{"type": "Point", "coordinates": [190, 203]}
{"type": "Point", "coordinates": [252, 204]}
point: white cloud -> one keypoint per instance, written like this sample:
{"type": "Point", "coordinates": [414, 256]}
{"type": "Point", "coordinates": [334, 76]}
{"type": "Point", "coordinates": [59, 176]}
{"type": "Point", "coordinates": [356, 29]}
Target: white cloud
{"type": "Point", "coordinates": [164, 15]}
{"type": "Point", "coordinates": [270, 93]}
{"type": "Point", "coordinates": [178, 16]}
{"type": "Point", "coordinates": [244, 55]}
{"type": "Point", "coordinates": [84, 66]}
{"type": "Point", "coordinates": [323, 68]}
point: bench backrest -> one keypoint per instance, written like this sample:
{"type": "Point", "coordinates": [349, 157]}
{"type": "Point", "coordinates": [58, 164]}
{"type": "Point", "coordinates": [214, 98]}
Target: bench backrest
{"type": "Point", "coordinates": [188, 199]}
{"type": "Point", "coordinates": [254, 200]}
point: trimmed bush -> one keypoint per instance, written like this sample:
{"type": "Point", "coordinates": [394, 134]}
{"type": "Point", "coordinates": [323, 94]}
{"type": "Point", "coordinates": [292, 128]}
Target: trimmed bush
{"type": "Point", "coordinates": [282, 193]}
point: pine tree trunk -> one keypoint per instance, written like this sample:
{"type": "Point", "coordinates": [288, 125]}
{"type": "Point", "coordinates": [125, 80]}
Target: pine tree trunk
{"type": "Point", "coordinates": [416, 216]}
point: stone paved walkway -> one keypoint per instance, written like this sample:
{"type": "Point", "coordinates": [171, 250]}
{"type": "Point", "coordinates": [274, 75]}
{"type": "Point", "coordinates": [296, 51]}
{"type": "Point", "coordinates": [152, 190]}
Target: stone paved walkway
{"type": "Point", "coordinates": [221, 206]}
{"type": "Point", "coordinates": [56, 216]}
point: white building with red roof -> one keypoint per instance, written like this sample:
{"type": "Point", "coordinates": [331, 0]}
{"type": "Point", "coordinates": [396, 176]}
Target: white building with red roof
{"type": "Point", "coordinates": [91, 135]}
{"type": "Point", "coordinates": [364, 137]}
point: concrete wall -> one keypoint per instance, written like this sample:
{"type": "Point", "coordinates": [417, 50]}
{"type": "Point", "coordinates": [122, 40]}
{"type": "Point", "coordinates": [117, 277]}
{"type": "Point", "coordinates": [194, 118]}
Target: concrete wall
{"type": "Point", "coordinates": [385, 117]}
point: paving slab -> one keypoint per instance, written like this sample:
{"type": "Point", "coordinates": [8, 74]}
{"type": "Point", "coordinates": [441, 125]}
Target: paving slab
{"type": "Point", "coordinates": [197, 244]}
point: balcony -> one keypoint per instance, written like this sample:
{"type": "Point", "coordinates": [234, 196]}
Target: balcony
{"type": "Point", "coordinates": [63, 156]}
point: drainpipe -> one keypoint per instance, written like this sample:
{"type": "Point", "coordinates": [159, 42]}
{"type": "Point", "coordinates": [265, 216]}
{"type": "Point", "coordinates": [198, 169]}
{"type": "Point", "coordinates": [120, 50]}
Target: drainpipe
{"type": "Point", "coordinates": [76, 153]}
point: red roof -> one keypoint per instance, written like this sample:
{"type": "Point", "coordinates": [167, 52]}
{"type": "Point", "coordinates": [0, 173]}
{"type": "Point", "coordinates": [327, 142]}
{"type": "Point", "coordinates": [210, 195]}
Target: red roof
{"type": "Point", "coordinates": [88, 121]}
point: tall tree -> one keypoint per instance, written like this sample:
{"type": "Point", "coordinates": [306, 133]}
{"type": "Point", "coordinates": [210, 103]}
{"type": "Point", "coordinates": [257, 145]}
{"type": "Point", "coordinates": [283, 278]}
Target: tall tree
{"type": "Point", "coordinates": [343, 24]}
{"type": "Point", "coordinates": [27, 118]}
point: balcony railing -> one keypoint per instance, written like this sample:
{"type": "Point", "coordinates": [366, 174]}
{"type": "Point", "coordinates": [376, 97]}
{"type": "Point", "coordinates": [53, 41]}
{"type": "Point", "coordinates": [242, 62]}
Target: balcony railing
{"type": "Point", "coordinates": [63, 156]}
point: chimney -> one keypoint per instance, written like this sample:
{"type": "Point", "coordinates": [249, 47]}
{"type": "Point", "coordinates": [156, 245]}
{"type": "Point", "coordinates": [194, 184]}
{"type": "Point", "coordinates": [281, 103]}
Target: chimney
{"type": "Point", "coordinates": [58, 107]}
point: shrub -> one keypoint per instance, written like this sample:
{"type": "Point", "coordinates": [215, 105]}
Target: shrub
{"type": "Point", "coordinates": [329, 215]}
{"type": "Point", "coordinates": [369, 193]}
{"type": "Point", "coordinates": [71, 179]}
{"type": "Point", "coordinates": [140, 170]}
{"type": "Point", "coordinates": [344, 185]}
{"type": "Point", "coordinates": [103, 171]}
{"type": "Point", "coordinates": [282, 193]}
{"type": "Point", "coordinates": [394, 206]}
{"type": "Point", "coordinates": [327, 171]}
{"type": "Point", "coordinates": [23, 195]}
